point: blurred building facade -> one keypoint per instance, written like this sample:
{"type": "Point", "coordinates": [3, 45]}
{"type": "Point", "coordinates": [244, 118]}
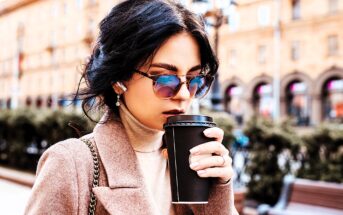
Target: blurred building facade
{"type": "Point", "coordinates": [298, 43]}
{"type": "Point", "coordinates": [45, 45]}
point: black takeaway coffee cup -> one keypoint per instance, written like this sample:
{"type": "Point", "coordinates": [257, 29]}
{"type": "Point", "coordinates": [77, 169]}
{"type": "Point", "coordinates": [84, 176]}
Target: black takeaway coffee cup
{"type": "Point", "coordinates": [183, 132]}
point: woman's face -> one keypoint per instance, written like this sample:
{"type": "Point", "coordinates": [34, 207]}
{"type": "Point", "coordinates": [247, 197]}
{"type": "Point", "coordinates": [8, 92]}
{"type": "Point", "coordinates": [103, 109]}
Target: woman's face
{"type": "Point", "coordinates": [179, 55]}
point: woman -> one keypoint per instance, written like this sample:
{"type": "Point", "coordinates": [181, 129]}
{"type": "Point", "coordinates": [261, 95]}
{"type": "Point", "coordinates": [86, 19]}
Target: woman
{"type": "Point", "coordinates": [151, 60]}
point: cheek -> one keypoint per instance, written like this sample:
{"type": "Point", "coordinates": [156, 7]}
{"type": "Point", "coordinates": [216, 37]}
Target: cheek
{"type": "Point", "coordinates": [142, 101]}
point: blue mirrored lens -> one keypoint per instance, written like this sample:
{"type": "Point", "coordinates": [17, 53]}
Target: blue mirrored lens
{"type": "Point", "coordinates": [166, 85]}
{"type": "Point", "coordinates": [198, 86]}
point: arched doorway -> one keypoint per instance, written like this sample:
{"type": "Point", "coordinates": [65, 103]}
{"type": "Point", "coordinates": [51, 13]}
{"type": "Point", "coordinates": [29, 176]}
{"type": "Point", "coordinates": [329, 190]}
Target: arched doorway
{"type": "Point", "coordinates": [263, 99]}
{"type": "Point", "coordinates": [296, 97]}
{"type": "Point", "coordinates": [39, 102]}
{"type": "Point", "coordinates": [329, 95]}
{"type": "Point", "coordinates": [298, 102]}
{"type": "Point", "coordinates": [28, 102]}
{"type": "Point", "coordinates": [49, 102]}
{"type": "Point", "coordinates": [332, 99]}
{"type": "Point", "coordinates": [8, 103]}
{"type": "Point", "coordinates": [234, 103]}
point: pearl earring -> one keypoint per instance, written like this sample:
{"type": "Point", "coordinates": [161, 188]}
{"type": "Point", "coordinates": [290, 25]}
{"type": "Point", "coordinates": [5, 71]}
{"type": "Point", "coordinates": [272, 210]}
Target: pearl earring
{"type": "Point", "coordinates": [118, 100]}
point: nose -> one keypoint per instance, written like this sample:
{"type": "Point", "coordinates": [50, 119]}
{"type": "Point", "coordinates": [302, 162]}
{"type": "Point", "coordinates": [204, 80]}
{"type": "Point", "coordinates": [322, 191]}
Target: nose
{"type": "Point", "coordinates": [183, 93]}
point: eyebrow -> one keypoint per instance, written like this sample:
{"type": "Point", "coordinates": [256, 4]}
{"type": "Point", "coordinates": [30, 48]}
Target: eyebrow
{"type": "Point", "coordinates": [172, 67]}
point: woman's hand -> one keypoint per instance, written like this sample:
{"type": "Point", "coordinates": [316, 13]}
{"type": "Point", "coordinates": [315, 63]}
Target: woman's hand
{"type": "Point", "coordinates": [218, 163]}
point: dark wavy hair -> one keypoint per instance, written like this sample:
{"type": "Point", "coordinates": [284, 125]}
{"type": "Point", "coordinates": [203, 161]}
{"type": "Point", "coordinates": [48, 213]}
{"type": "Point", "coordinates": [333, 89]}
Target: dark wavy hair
{"type": "Point", "coordinates": [129, 37]}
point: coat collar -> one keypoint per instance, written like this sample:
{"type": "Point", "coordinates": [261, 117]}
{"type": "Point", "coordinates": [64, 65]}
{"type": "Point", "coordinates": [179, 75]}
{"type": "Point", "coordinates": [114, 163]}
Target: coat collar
{"type": "Point", "coordinates": [117, 155]}
{"type": "Point", "coordinates": [125, 180]}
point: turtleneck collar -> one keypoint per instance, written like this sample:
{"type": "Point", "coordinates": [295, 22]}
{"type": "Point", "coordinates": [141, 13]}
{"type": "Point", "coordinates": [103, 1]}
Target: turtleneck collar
{"type": "Point", "coordinates": [142, 138]}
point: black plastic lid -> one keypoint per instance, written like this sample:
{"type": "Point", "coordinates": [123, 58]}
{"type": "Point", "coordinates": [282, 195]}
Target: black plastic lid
{"type": "Point", "coordinates": [190, 120]}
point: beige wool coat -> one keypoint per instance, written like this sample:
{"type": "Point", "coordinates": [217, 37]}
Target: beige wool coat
{"type": "Point", "coordinates": [65, 173]}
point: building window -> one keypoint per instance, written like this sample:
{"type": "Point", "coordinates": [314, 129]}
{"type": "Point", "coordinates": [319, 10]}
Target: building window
{"type": "Point", "coordinates": [55, 9]}
{"type": "Point", "coordinates": [333, 100]}
{"type": "Point", "coordinates": [263, 15]}
{"type": "Point", "coordinates": [295, 50]}
{"type": "Point", "coordinates": [79, 4]}
{"type": "Point", "coordinates": [4, 67]}
{"type": "Point", "coordinates": [234, 19]}
{"type": "Point", "coordinates": [296, 9]}
{"type": "Point", "coordinates": [92, 2]}
{"type": "Point", "coordinates": [64, 33]}
{"type": "Point", "coordinates": [65, 8]}
{"type": "Point", "coordinates": [297, 101]}
{"type": "Point", "coordinates": [233, 58]}
{"type": "Point", "coordinates": [333, 45]}
{"type": "Point", "coordinates": [262, 54]}
{"type": "Point", "coordinates": [91, 25]}
{"type": "Point", "coordinates": [333, 6]}
{"type": "Point", "coordinates": [20, 35]}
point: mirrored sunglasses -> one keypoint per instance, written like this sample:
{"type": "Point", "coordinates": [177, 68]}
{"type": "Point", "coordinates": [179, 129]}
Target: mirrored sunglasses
{"type": "Point", "coordinates": [168, 85]}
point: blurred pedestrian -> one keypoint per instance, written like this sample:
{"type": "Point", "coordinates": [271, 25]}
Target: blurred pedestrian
{"type": "Point", "coordinates": [152, 58]}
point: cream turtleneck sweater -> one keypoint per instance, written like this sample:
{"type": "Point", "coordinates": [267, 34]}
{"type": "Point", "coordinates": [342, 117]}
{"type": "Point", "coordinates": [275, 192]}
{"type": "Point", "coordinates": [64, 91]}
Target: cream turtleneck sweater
{"type": "Point", "coordinates": [147, 144]}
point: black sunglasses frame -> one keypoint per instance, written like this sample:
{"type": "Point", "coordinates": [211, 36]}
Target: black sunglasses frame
{"type": "Point", "coordinates": [208, 78]}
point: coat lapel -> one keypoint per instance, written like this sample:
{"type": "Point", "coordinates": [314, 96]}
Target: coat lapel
{"type": "Point", "coordinates": [125, 180]}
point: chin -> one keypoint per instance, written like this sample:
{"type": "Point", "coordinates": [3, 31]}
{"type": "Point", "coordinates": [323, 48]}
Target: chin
{"type": "Point", "coordinates": [155, 126]}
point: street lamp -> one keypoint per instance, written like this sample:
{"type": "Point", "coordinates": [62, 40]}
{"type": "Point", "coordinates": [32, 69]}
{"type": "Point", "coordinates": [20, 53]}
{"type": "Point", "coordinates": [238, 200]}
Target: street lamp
{"type": "Point", "coordinates": [214, 13]}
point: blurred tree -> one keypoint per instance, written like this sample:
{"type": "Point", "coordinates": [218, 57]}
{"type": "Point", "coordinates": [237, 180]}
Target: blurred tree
{"type": "Point", "coordinates": [26, 133]}
{"type": "Point", "coordinates": [21, 133]}
{"type": "Point", "coordinates": [4, 127]}
{"type": "Point", "coordinates": [223, 121]}
{"type": "Point", "coordinates": [323, 157]}
{"type": "Point", "coordinates": [267, 143]}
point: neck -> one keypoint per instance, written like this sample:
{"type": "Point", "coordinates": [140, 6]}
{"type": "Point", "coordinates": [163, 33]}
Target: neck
{"type": "Point", "coordinates": [142, 138]}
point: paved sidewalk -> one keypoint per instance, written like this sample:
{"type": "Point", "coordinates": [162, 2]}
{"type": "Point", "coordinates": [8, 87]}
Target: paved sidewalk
{"type": "Point", "coordinates": [19, 177]}
{"type": "Point", "coordinates": [13, 197]}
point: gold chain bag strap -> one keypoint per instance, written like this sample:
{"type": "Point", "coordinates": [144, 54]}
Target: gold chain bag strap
{"type": "Point", "coordinates": [96, 174]}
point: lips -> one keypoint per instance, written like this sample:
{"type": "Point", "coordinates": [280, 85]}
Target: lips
{"type": "Point", "coordinates": [174, 112]}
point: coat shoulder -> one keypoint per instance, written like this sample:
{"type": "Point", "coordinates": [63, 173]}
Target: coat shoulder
{"type": "Point", "coordinates": [63, 180]}
{"type": "Point", "coordinates": [72, 146]}
{"type": "Point", "coordinates": [73, 151]}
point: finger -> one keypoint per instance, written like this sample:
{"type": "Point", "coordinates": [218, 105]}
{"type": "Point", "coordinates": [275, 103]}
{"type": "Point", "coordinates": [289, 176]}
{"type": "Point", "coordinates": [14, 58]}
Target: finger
{"type": "Point", "coordinates": [212, 147]}
{"type": "Point", "coordinates": [218, 172]}
{"type": "Point", "coordinates": [213, 161]}
{"type": "Point", "coordinates": [214, 132]}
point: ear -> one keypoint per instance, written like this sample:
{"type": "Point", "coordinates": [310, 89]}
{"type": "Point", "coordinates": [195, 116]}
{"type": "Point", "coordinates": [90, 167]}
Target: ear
{"type": "Point", "coordinates": [118, 87]}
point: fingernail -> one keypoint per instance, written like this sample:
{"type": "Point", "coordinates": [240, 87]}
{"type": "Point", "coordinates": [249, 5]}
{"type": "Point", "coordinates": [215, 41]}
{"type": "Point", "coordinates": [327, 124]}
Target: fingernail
{"type": "Point", "coordinates": [193, 165]}
{"type": "Point", "coordinates": [194, 150]}
{"type": "Point", "coordinates": [201, 172]}
{"type": "Point", "coordinates": [207, 132]}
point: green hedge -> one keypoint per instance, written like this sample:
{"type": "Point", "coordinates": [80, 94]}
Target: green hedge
{"type": "Point", "coordinates": [25, 134]}
{"type": "Point", "coordinates": [268, 141]}
{"type": "Point", "coordinates": [223, 121]}
{"type": "Point", "coordinates": [317, 156]}
{"type": "Point", "coordinates": [323, 154]}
